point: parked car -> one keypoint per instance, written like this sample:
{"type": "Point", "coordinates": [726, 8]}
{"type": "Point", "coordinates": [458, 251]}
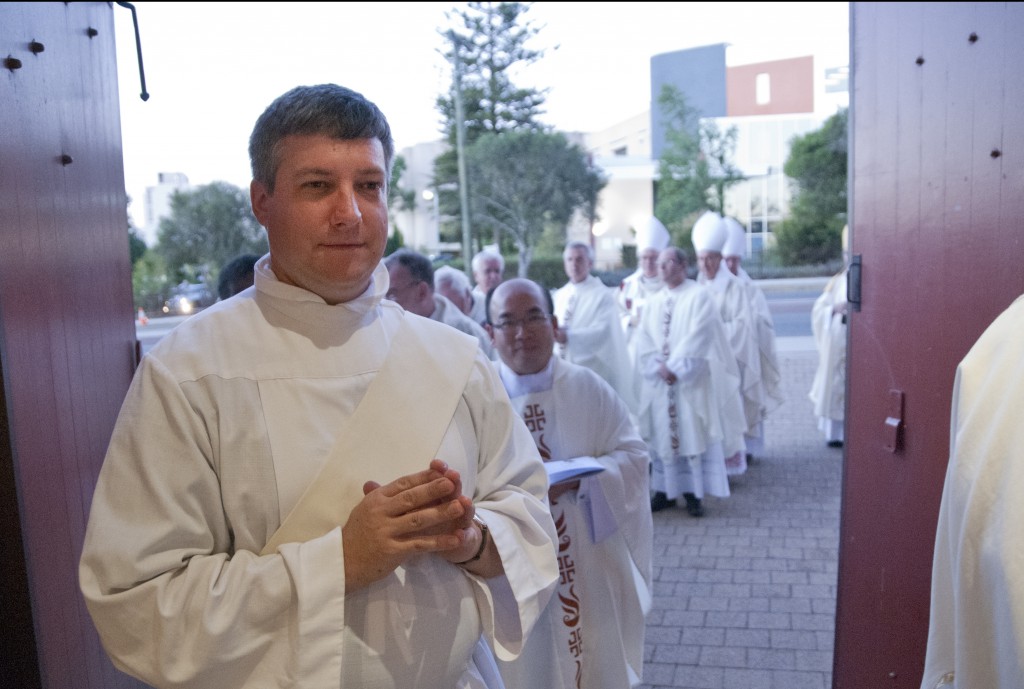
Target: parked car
{"type": "Point", "coordinates": [188, 299]}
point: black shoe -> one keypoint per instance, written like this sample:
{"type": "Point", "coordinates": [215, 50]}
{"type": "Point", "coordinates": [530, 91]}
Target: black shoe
{"type": "Point", "coordinates": [660, 501]}
{"type": "Point", "coordinates": [693, 506]}
{"type": "Point", "coordinates": [835, 443]}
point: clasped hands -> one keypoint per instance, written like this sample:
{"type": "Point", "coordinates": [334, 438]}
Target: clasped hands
{"type": "Point", "coordinates": [423, 512]}
{"type": "Point", "coordinates": [692, 369]}
{"type": "Point", "coordinates": [666, 374]}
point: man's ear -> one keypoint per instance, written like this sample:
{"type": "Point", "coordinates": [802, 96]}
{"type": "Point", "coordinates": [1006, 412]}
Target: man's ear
{"type": "Point", "coordinates": [424, 293]}
{"type": "Point", "coordinates": [258, 197]}
{"type": "Point", "coordinates": [554, 324]}
{"type": "Point", "coordinates": [490, 331]}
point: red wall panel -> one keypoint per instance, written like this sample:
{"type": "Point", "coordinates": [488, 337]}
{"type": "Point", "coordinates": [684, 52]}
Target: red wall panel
{"type": "Point", "coordinates": [792, 87]}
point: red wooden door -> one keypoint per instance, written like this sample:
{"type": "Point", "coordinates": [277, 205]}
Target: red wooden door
{"type": "Point", "coordinates": [67, 339]}
{"type": "Point", "coordinates": [937, 218]}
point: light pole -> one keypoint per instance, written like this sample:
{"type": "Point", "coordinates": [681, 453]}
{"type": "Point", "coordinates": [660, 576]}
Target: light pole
{"type": "Point", "coordinates": [460, 148]}
{"type": "Point", "coordinates": [431, 197]}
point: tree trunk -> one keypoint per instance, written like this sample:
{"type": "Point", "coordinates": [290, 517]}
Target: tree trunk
{"type": "Point", "coordinates": [525, 254]}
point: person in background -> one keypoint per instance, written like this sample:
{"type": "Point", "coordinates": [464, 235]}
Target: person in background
{"type": "Point", "coordinates": [730, 295]}
{"type": "Point", "coordinates": [236, 275]}
{"type": "Point", "coordinates": [977, 610]}
{"type": "Point", "coordinates": [452, 284]}
{"type": "Point", "coordinates": [589, 332]}
{"type": "Point", "coordinates": [828, 324]}
{"type": "Point", "coordinates": [689, 400]}
{"type": "Point", "coordinates": [488, 270]}
{"type": "Point", "coordinates": [733, 252]}
{"type": "Point", "coordinates": [412, 286]}
{"type": "Point", "coordinates": [637, 288]}
{"type": "Point", "coordinates": [592, 634]}
{"type": "Point", "coordinates": [278, 505]}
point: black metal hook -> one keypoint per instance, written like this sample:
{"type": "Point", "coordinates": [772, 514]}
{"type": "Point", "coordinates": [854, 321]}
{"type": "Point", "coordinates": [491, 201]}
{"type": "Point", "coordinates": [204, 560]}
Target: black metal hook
{"type": "Point", "coordinates": [138, 48]}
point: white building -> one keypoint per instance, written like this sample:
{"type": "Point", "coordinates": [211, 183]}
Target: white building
{"type": "Point", "coordinates": [158, 202]}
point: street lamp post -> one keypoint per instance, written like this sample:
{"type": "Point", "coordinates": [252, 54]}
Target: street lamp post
{"type": "Point", "coordinates": [431, 197]}
{"type": "Point", "coordinates": [460, 148]}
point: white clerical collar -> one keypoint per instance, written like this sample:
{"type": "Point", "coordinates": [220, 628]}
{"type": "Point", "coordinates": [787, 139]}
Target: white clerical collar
{"type": "Point", "coordinates": [517, 385]}
{"type": "Point", "coordinates": [308, 307]}
{"type": "Point", "coordinates": [652, 284]}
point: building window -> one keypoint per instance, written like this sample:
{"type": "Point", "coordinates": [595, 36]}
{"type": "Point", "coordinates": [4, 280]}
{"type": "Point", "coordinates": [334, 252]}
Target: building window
{"type": "Point", "coordinates": [763, 88]}
{"type": "Point", "coordinates": [621, 151]}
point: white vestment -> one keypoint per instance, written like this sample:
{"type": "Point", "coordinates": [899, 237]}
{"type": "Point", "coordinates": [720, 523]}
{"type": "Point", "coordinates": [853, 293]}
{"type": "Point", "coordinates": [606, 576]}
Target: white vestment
{"type": "Point", "coordinates": [771, 374]}
{"type": "Point", "coordinates": [634, 291]}
{"type": "Point", "coordinates": [731, 296]}
{"type": "Point", "coordinates": [228, 419]}
{"type": "Point", "coordinates": [448, 313]}
{"type": "Point", "coordinates": [692, 425]}
{"type": "Point", "coordinates": [592, 633]}
{"type": "Point", "coordinates": [976, 625]}
{"type": "Point", "coordinates": [479, 312]}
{"type": "Point", "coordinates": [587, 311]}
{"type": "Point", "coordinates": [828, 389]}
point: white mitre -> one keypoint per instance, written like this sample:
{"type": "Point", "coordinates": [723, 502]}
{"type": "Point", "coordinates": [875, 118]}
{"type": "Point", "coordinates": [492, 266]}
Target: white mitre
{"type": "Point", "coordinates": [709, 233]}
{"type": "Point", "coordinates": [651, 234]}
{"type": "Point", "coordinates": [736, 242]}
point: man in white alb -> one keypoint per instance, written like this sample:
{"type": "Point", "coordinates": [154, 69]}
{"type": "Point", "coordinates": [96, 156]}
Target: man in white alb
{"type": "Point", "coordinates": [453, 284]}
{"type": "Point", "coordinates": [689, 402]}
{"type": "Point", "coordinates": [828, 324]}
{"type": "Point", "coordinates": [592, 633]}
{"type": "Point", "coordinates": [412, 285]}
{"type": "Point", "coordinates": [977, 606]}
{"type": "Point", "coordinates": [637, 287]}
{"type": "Point", "coordinates": [589, 332]}
{"type": "Point", "coordinates": [488, 270]}
{"type": "Point", "coordinates": [306, 485]}
{"type": "Point", "coordinates": [709, 235]}
{"type": "Point", "coordinates": [733, 252]}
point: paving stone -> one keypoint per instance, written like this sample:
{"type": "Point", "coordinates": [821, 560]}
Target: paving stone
{"type": "Point", "coordinates": [744, 597]}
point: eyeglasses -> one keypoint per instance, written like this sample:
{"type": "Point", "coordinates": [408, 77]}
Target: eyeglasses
{"type": "Point", "coordinates": [531, 320]}
{"type": "Point", "coordinates": [393, 292]}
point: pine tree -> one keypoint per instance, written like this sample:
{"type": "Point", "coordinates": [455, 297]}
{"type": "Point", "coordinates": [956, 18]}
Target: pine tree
{"type": "Point", "coordinates": [486, 41]}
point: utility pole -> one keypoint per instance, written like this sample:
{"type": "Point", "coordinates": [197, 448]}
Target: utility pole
{"type": "Point", "coordinates": [460, 151]}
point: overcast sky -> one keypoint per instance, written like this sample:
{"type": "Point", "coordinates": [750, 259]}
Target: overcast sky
{"type": "Point", "coordinates": [212, 67]}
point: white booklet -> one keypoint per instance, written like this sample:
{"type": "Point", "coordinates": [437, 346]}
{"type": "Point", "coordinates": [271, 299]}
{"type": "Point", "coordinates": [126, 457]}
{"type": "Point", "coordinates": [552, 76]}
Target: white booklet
{"type": "Point", "coordinates": [567, 469]}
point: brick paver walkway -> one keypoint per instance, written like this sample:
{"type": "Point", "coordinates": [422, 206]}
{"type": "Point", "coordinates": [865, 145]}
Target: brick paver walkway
{"type": "Point", "coordinates": [744, 597]}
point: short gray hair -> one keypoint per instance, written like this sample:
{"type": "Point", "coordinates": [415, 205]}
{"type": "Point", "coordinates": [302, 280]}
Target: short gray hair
{"type": "Point", "coordinates": [446, 275]}
{"type": "Point", "coordinates": [577, 244]}
{"type": "Point", "coordinates": [419, 266]}
{"type": "Point", "coordinates": [486, 255]}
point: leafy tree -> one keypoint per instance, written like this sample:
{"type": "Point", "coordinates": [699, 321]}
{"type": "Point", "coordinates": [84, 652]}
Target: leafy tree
{"type": "Point", "coordinates": [149, 281]}
{"type": "Point", "coordinates": [136, 245]}
{"type": "Point", "coordinates": [398, 198]}
{"type": "Point", "coordinates": [526, 181]}
{"type": "Point", "coordinates": [395, 242]}
{"type": "Point", "coordinates": [817, 167]}
{"type": "Point", "coordinates": [487, 41]}
{"type": "Point", "coordinates": [207, 227]}
{"type": "Point", "coordinates": [695, 167]}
